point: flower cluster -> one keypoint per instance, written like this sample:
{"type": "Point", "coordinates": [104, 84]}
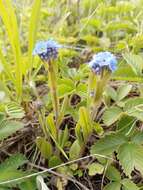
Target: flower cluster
{"type": "Point", "coordinates": [103, 60]}
{"type": "Point", "coordinates": [47, 50]}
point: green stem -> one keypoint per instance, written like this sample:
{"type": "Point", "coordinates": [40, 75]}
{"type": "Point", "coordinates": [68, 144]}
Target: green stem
{"type": "Point", "coordinates": [53, 88]}
{"type": "Point", "coordinates": [99, 89]}
{"type": "Point", "coordinates": [90, 88]}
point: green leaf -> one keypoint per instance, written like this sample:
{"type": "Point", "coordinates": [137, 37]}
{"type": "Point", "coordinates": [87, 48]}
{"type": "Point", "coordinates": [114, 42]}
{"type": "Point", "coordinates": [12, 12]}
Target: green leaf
{"type": "Point", "coordinates": [73, 167]}
{"type": "Point", "coordinates": [83, 126]}
{"type": "Point", "coordinates": [35, 15]}
{"type": "Point", "coordinates": [14, 110]}
{"type": "Point", "coordinates": [79, 134]}
{"type": "Point", "coordinates": [28, 184]}
{"type": "Point", "coordinates": [125, 124]}
{"type": "Point", "coordinates": [95, 168]}
{"type": "Point", "coordinates": [8, 169]}
{"type": "Point", "coordinates": [115, 25]}
{"type": "Point", "coordinates": [74, 150]}
{"type": "Point", "coordinates": [134, 107]}
{"type": "Point", "coordinates": [13, 162]}
{"type": "Point", "coordinates": [6, 66]}
{"type": "Point", "coordinates": [7, 175]}
{"type": "Point", "coordinates": [54, 161]}
{"type": "Point", "coordinates": [4, 188]}
{"type": "Point", "coordinates": [129, 185]}
{"type": "Point", "coordinates": [108, 144]}
{"type": "Point", "coordinates": [135, 61]}
{"type": "Point", "coordinates": [133, 103]}
{"type": "Point", "coordinates": [111, 115]}
{"type": "Point", "coordinates": [137, 138]}
{"type": "Point", "coordinates": [130, 156]}
{"type": "Point", "coordinates": [52, 131]}
{"type": "Point", "coordinates": [63, 137]}
{"type": "Point", "coordinates": [125, 72]}
{"type": "Point", "coordinates": [9, 19]}
{"type": "Point", "coordinates": [44, 147]}
{"type": "Point", "coordinates": [123, 91]}
{"type": "Point", "coordinates": [112, 93]}
{"type": "Point", "coordinates": [113, 174]}
{"type": "Point", "coordinates": [98, 128]}
{"type": "Point", "coordinates": [65, 87]}
{"type": "Point", "coordinates": [9, 128]}
{"type": "Point", "coordinates": [51, 128]}
{"type": "Point", "coordinates": [63, 110]}
{"type": "Point", "coordinates": [113, 186]}
{"type": "Point", "coordinates": [82, 90]}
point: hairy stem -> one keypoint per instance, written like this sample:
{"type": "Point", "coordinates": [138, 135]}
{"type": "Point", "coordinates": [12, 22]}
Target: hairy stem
{"type": "Point", "coordinates": [53, 88]}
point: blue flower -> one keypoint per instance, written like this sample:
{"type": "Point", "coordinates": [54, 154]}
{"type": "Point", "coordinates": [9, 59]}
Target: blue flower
{"type": "Point", "coordinates": [103, 60]}
{"type": "Point", "coordinates": [47, 49]}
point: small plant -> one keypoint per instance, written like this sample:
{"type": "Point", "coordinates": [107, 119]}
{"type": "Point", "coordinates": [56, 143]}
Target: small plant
{"type": "Point", "coordinates": [71, 111]}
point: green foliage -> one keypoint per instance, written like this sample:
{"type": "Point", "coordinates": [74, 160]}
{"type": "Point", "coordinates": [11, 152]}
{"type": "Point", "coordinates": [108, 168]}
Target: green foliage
{"type": "Point", "coordinates": [84, 126]}
{"type": "Point", "coordinates": [75, 150]}
{"type": "Point", "coordinates": [9, 19]}
{"type": "Point", "coordinates": [128, 184]}
{"type": "Point", "coordinates": [44, 147]}
{"type": "Point", "coordinates": [113, 186]}
{"type": "Point", "coordinates": [9, 170]}
{"type": "Point", "coordinates": [95, 168]}
{"type": "Point", "coordinates": [130, 156]}
{"type": "Point", "coordinates": [113, 174]}
{"type": "Point", "coordinates": [35, 14]}
{"type": "Point", "coordinates": [7, 128]}
{"type": "Point", "coordinates": [112, 115]}
{"type": "Point", "coordinates": [13, 162]}
{"type": "Point", "coordinates": [13, 110]}
{"type": "Point", "coordinates": [108, 144]}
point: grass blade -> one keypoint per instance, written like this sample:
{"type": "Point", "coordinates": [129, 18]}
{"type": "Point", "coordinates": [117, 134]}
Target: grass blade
{"type": "Point", "coordinates": [33, 30]}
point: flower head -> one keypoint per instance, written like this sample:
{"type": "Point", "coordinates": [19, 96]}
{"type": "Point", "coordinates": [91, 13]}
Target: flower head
{"type": "Point", "coordinates": [103, 60]}
{"type": "Point", "coordinates": [47, 49]}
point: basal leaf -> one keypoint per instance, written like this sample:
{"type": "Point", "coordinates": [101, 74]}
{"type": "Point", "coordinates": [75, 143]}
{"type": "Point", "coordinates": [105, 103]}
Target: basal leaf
{"type": "Point", "coordinates": [137, 138]}
{"type": "Point", "coordinates": [10, 174]}
{"type": "Point", "coordinates": [134, 107]}
{"type": "Point", "coordinates": [123, 91]}
{"type": "Point", "coordinates": [14, 110]}
{"type": "Point", "coordinates": [13, 162]}
{"type": "Point", "coordinates": [135, 61]}
{"type": "Point", "coordinates": [129, 185]}
{"type": "Point", "coordinates": [112, 93]}
{"type": "Point", "coordinates": [111, 115]}
{"type": "Point", "coordinates": [113, 174]}
{"type": "Point", "coordinates": [51, 128]}
{"type": "Point", "coordinates": [113, 186]}
{"type": "Point", "coordinates": [44, 147]}
{"type": "Point", "coordinates": [9, 128]}
{"type": "Point", "coordinates": [95, 168]}
{"type": "Point", "coordinates": [125, 124]}
{"type": "Point", "coordinates": [108, 144]}
{"type": "Point", "coordinates": [130, 156]}
{"type": "Point", "coordinates": [74, 150]}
